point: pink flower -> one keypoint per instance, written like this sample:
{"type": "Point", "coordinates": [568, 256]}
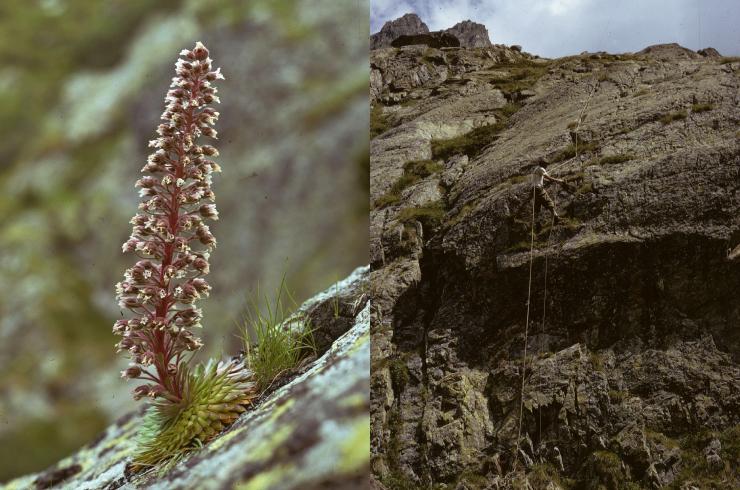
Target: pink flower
{"type": "Point", "coordinates": [160, 289]}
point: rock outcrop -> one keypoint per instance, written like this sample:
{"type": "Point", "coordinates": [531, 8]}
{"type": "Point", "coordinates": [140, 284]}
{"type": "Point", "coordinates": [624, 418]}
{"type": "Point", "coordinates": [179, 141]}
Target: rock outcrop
{"type": "Point", "coordinates": [632, 376]}
{"type": "Point", "coordinates": [409, 29]}
{"type": "Point", "coordinates": [310, 433]}
{"type": "Point", "coordinates": [471, 34]}
{"type": "Point", "coordinates": [406, 25]}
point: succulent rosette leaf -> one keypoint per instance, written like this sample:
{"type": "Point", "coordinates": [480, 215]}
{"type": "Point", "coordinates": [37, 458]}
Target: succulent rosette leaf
{"type": "Point", "coordinates": [173, 243]}
{"type": "Point", "coordinates": [217, 394]}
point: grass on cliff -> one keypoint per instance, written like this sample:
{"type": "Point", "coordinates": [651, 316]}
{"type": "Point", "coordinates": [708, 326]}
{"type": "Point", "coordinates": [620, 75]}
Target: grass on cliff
{"type": "Point", "coordinates": [430, 216]}
{"type": "Point", "coordinates": [273, 346]}
{"type": "Point", "coordinates": [470, 143]}
{"type": "Point", "coordinates": [698, 108]}
{"type": "Point", "coordinates": [379, 121]}
{"type": "Point", "coordinates": [670, 117]}
{"type": "Point", "coordinates": [695, 469]}
{"type": "Point", "coordinates": [413, 172]}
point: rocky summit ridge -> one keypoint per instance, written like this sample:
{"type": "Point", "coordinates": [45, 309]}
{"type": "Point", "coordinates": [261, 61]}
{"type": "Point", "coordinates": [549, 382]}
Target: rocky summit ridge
{"type": "Point", "coordinates": [412, 30]}
{"type": "Point", "coordinates": [632, 375]}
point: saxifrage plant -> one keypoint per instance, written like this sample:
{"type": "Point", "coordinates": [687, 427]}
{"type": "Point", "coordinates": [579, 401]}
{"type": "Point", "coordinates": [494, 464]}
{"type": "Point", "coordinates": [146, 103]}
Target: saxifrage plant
{"type": "Point", "coordinates": [173, 243]}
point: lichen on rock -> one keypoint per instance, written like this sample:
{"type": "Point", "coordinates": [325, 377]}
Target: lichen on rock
{"type": "Point", "coordinates": [312, 431]}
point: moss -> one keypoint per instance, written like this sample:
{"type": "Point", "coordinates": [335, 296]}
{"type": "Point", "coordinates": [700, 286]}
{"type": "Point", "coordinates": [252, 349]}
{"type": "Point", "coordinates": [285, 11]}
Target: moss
{"type": "Point", "coordinates": [430, 216]}
{"type": "Point", "coordinates": [399, 374]}
{"type": "Point", "coordinates": [614, 159]}
{"type": "Point", "coordinates": [470, 143]}
{"type": "Point", "coordinates": [673, 116]}
{"type": "Point", "coordinates": [379, 121]}
{"type": "Point", "coordinates": [698, 108]}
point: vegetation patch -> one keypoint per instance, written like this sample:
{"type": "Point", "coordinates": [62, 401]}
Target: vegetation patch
{"type": "Point", "coordinates": [570, 150]}
{"type": "Point", "coordinates": [470, 143]}
{"type": "Point", "coordinates": [399, 374]}
{"type": "Point", "coordinates": [413, 172]}
{"type": "Point", "coordinates": [614, 159]}
{"type": "Point", "coordinates": [696, 471]}
{"type": "Point", "coordinates": [379, 121]}
{"type": "Point", "coordinates": [605, 471]}
{"type": "Point", "coordinates": [698, 108]}
{"type": "Point", "coordinates": [430, 216]}
{"type": "Point", "coordinates": [271, 347]}
{"type": "Point", "coordinates": [673, 116]}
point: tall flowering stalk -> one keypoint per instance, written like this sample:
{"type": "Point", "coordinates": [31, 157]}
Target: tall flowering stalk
{"type": "Point", "coordinates": [173, 243]}
{"type": "Point", "coordinates": [160, 289]}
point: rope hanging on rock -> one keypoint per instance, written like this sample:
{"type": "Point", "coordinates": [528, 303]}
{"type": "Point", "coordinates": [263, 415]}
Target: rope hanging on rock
{"type": "Point", "coordinates": [544, 296]}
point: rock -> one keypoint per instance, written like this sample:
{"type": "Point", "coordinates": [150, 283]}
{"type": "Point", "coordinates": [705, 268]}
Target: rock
{"type": "Point", "coordinates": [406, 25]}
{"type": "Point", "coordinates": [470, 34]}
{"type": "Point", "coordinates": [709, 53]}
{"type": "Point", "coordinates": [312, 432]}
{"type": "Point", "coordinates": [631, 348]}
{"type": "Point", "coordinates": [432, 39]}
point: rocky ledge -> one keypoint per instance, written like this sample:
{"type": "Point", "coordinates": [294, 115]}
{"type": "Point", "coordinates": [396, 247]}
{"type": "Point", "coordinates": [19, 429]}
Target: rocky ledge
{"type": "Point", "coordinates": [632, 375]}
{"type": "Point", "coordinates": [312, 432]}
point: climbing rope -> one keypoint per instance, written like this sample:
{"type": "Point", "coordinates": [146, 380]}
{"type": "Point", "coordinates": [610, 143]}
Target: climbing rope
{"type": "Point", "coordinates": [544, 296]}
{"type": "Point", "coordinates": [526, 326]}
{"type": "Point", "coordinates": [542, 325]}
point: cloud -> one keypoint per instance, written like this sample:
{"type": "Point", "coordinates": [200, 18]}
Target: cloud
{"type": "Point", "coordinates": [562, 27]}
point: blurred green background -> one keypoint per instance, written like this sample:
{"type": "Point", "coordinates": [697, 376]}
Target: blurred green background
{"type": "Point", "coordinates": [81, 90]}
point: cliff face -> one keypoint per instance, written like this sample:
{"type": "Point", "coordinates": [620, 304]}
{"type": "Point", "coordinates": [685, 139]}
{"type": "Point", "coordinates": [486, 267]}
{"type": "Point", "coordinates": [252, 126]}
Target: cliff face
{"type": "Point", "coordinates": [312, 432]}
{"type": "Point", "coordinates": [633, 348]}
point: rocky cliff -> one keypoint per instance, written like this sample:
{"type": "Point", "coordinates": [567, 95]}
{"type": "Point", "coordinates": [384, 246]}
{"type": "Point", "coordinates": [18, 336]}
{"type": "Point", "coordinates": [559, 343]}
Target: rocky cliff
{"type": "Point", "coordinates": [312, 432]}
{"type": "Point", "coordinates": [632, 360]}
{"type": "Point", "coordinates": [406, 25]}
{"type": "Point", "coordinates": [410, 29]}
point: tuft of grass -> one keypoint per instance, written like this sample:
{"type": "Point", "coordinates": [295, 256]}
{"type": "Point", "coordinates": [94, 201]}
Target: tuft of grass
{"type": "Point", "coordinates": [430, 216]}
{"type": "Point", "coordinates": [413, 171]}
{"type": "Point", "coordinates": [470, 143]}
{"type": "Point", "coordinates": [379, 122]}
{"type": "Point", "coordinates": [272, 345]}
{"type": "Point", "coordinates": [642, 91]}
{"type": "Point", "coordinates": [614, 159]}
{"type": "Point", "coordinates": [606, 471]}
{"type": "Point", "coordinates": [728, 59]}
{"type": "Point", "coordinates": [702, 107]}
{"type": "Point", "coordinates": [597, 362]}
{"type": "Point", "coordinates": [570, 151]}
{"type": "Point", "coordinates": [617, 396]}
{"type": "Point", "coordinates": [573, 125]}
{"type": "Point", "coordinates": [510, 108]}
{"type": "Point", "coordinates": [673, 116]}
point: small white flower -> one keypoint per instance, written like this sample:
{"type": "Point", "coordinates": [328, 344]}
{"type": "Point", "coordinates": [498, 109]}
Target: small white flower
{"type": "Point", "coordinates": [162, 293]}
{"type": "Point", "coordinates": [180, 182]}
{"type": "Point", "coordinates": [166, 180]}
{"type": "Point", "coordinates": [147, 274]}
{"type": "Point", "coordinates": [178, 291]}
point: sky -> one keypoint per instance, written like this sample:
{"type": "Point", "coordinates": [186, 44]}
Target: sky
{"type": "Point", "coordinates": [553, 28]}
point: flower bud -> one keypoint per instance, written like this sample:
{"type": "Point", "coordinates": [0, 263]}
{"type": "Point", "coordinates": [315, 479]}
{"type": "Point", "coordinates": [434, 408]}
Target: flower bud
{"type": "Point", "coordinates": [200, 52]}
